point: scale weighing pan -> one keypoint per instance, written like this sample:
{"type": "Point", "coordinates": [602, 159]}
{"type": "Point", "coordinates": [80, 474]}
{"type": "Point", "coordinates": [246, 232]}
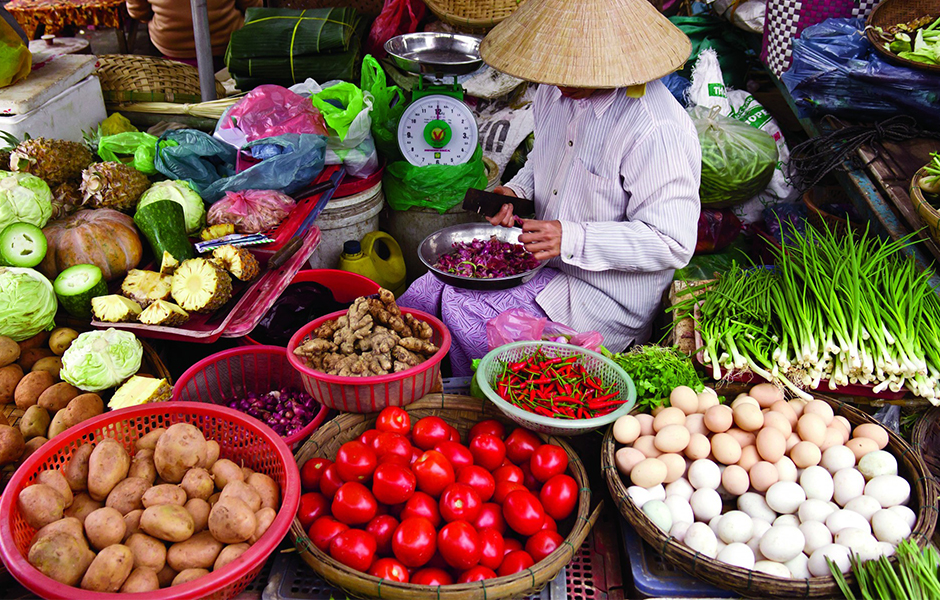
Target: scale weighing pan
{"type": "Point", "coordinates": [435, 53]}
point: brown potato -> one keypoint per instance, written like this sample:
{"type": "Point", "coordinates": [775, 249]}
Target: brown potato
{"type": "Point", "coordinates": [182, 446]}
{"type": "Point", "coordinates": [3, 420]}
{"type": "Point", "coordinates": [244, 492]}
{"type": "Point", "coordinates": [198, 552]}
{"type": "Point", "coordinates": [9, 351]}
{"type": "Point", "coordinates": [199, 511]}
{"type": "Point", "coordinates": [30, 387]}
{"type": "Point", "coordinates": [58, 396]}
{"type": "Point", "coordinates": [76, 469]}
{"type": "Point", "coordinates": [53, 364]}
{"type": "Point", "coordinates": [40, 505]}
{"type": "Point", "coordinates": [212, 454]}
{"type": "Point", "coordinates": [30, 357]}
{"type": "Point", "coordinates": [10, 375]}
{"type": "Point", "coordinates": [12, 444]}
{"type": "Point", "coordinates": [232, 521]}
{"type": "Point", "coordinates": [188, 575]}
{"type": "Point", "coordinates": [166, 576]}
{"type": "Point", "coordinates": [62, 557]}
{"type": "Point", "coordinates": [228, 554]}
{"type": "Point", "coordinates": [132, 523]}
{"type": "Point", "coordinates": [109, 569]}
{"type": "Point", "coordinates": [168, 522]}
{"type": "Point", "coordinates": [148, 551]}
{"type": "Point", "coordinates": [60, 339]}
{"type": "Point", "coordinates": [69, 525]}
{"type": "Point", "coordinates": [246, 473]}
{"type": "Point", "coordinates": [225, 471]}
{"type": "Point", "coordinates": [82, 506]}
{"type": "Point", "coordinates": [107, 465]}
{"type": "Point", "coordinates": [128, 495]}
{"type": "Point", "coordinates": [79, 408]}
{"type": "Point", "coordinates": [34, 342]}
{"type": "Point", "coordinates": [56, 480]}
{"type": "Point", "coordinates": [265, 517]}
{"type": "Point", "coordinates": [32, 445]}
{"type": "Point", "coordinates": [214, 498]}
{"type": "Point", "coordinates": [104, 527]}
{"type": "Point", "coordinates": [148, 441]}
{"type": "Point", "coordinates": [166, 493]}
{"type": "Point", "coordinates": [142, 466]}
{"type": "Point", "coordinates": [140, 580]}
{"type": "Point", "coordinates": [267, 488]}
{"type": "Point", "coordinates": [34, 422]}
{"type": "Point", "coordinates": [197, 483]}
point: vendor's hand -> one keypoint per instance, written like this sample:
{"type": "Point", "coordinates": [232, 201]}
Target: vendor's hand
{"type": "Point", "coordinates": [541, 238]}
{"type": "Point", "coordinates": [504, 216]}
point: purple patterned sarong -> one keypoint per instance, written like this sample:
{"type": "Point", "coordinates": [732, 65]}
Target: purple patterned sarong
{"type": "Point", "coordinates": [465, 312]}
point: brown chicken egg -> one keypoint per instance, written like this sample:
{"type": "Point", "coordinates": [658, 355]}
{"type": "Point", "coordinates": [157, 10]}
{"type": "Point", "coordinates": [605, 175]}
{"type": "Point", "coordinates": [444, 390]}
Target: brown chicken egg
{"type": "Point", "coordinates": [719, 418]}
{"type": "Point", "coordinates": [726, 449]}
{"type": "Point", "coordinates": [771, 445]}
{"type": "Point", "coordinates": [748, 416]}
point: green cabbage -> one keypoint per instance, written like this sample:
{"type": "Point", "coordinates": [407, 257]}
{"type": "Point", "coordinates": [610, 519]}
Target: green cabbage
{"type": "Point", "coordinates": [24, 198]}
{"type": "Point", "coordinates": [27, 303]}
{"type": "Point", "coordinates": [194, 209]}
{"type": "Point", "coordinates": [98, 360]}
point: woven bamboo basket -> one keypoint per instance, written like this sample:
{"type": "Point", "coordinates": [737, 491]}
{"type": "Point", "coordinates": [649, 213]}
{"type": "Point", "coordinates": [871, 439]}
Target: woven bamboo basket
{"type": "Point", "coordinates": [926, 440]}
{"type": "Point", "coordinates": [754, 584]}
{"type": "Point", "coordinates": [892, 12]}
{"type": "Point", "coordinates": [472, 16]}
{"type": "Point", "coordinates": [462, 412]}
{"type": "Point", "coordinates": [133, 78]}
{"type": "Point", "coordinates": [816, 201]}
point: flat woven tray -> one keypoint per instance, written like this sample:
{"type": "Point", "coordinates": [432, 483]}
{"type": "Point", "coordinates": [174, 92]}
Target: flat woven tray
{"type": "Point", "coordinates": [133, 78]}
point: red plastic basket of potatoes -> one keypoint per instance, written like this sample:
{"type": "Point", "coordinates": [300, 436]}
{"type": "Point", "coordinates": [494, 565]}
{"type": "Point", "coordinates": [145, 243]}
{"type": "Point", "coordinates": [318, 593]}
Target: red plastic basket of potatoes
{"type": "Point", "coordinates": [242, 440]}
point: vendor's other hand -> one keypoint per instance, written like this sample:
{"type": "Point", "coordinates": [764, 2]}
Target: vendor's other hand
{"type": "Point", "coordinates": [541, 238]}
{"type": "Point", "coordinates": [504, 216]}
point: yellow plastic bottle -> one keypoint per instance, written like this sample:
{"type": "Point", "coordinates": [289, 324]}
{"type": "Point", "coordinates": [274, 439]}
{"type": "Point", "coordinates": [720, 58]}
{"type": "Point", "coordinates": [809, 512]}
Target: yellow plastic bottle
{"type": "Point", "coordinates": [378, 257]}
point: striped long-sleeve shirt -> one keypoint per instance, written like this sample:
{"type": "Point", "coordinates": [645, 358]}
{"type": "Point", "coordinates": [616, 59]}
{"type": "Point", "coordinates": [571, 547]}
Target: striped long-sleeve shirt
{"type": "Point", "coordinates": [621, 174]}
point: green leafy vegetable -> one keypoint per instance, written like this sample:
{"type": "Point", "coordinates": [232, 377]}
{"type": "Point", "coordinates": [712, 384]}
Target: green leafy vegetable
{"type": "Point", "coordinates": [179, 191]}
{"type": "Point", "coordinates": [98, 360]}
{"type": "Point", "coordinates": [24, 198]}
{"type": "Point", "coordinates": [656, 371]}
{"type": "Point", "coordinates": [27, 303]}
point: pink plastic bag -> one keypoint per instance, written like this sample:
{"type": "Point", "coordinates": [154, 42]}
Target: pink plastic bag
{"type": "Point", "coordinates": [251, 211]}
{"type": "Point", "coordinates": [267, 111]}
{"type": "Point", "coordinates": [397, 17]}
{"type": "Point", "coordinates": [518, 325]}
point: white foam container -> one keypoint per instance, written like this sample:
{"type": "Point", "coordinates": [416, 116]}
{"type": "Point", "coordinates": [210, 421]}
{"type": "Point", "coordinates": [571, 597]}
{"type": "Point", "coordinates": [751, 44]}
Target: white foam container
{"type": "Point", "coordinates": [64, 117]}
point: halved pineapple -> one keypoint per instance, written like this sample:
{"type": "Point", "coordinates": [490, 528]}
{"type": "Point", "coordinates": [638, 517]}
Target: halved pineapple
{"type": "Point", "coordinates": [238, 261]}
{"type": "Point", "coordinates": [146, 287]}
{"type": "Point", "coordinates": [200, 286]}
{"type": "Point", "coordinates": [168, 264]}
{"type": "Point", "coordinates": [140, 390]}
{"type": "Point", "coordinates": [164, 313]}
{"type": "Point", "coordinates": [114, 309]}
{"type": "Point", "coordinates": [216, 231]}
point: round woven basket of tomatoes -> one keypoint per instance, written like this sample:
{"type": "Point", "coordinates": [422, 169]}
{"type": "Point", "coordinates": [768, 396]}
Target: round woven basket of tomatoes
{"type": "Point", "coordinates": [443, 498]}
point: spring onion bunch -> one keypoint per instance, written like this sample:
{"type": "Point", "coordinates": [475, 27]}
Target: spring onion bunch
{"type": "Point", "coordinates": [848, 309]}
{"type": "Point", "coordinates": [914, 577]}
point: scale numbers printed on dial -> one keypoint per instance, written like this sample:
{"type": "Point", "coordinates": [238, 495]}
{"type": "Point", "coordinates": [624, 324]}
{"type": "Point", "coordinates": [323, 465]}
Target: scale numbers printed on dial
{"type": "Point", "coordinates": [437, 130]}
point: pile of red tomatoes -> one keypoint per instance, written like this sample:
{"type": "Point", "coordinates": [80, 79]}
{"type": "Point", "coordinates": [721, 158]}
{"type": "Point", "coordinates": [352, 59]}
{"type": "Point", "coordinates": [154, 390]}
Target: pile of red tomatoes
{"type": "Point", "coordinates": [415, 505]}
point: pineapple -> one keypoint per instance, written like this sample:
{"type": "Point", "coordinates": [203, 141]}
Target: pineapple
{"type": "Point", "coordinates": [200, 286]}
{"type": "Point", "coordinates": [114, 309]}
{"type": "Point", "coordinates": [66, 199]}
{"type": "Point", "coordinates": [140, 390]}
{"type": "Point", "coordinates": [238, 261]}
{"type": "Point", "coordinates": [164, 313]}
{"type": "Point", "coordinates": [145, 287]}
{"type": "Point", "coordinates": [113, 185]}
{"type": "Point", "coordinates": [8, 143]}
{"type": "Point", "coordinates": [54, 161]}
{"type": "Point", "coordinates": [168, 264]}
{"type": "Point", "coordinates": [213, 232]}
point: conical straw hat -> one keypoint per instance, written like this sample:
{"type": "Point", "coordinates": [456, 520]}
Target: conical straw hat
{"type": "Point", "coordinates": [586, 43]}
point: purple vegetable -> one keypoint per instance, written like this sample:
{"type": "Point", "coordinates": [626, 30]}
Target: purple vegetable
{"type": "Point", "coordinates": [285, 411]}
{"type": "Point", "coordinates": [486, 259]}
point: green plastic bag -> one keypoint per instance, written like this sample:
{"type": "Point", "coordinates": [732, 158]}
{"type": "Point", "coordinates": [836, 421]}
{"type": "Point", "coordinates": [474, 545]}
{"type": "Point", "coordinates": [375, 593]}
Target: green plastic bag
{"type": "Point", "coordinates": [142, 146]}
{"type": "Point", "coordinates": [705, 266]}
{"type": "Point", "coordinates": [731, 44]}
{"type": "Point", "coordinates": [440, 187]}
{"type": "Point", "coordinates": [340, 104]}
{"type": "Point", "coordinates": [387, 108]}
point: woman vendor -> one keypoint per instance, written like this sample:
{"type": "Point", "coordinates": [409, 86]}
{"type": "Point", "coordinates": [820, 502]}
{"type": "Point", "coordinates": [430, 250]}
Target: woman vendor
{"type": "Point", "coordinates": [614, 174]}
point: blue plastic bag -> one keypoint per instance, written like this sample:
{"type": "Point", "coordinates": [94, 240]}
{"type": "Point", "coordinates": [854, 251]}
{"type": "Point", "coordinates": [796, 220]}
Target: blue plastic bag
{"type": "Point", "coordinates": [209, 165]}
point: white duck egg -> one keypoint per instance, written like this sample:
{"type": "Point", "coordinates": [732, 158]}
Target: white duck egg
{"type": "Point", "coordinates": [878, 463]}
{"type": "Point", "coordinates": [887, 550]}
{"type": "Point", "coordinates": [737, 554]}
{"type": "Point", "coordinates": [843, 519]}
{"type": "Point", "coordinates": [706, 504]}
{"type": "Point", "coordinates": [640, 496]}
{"type": "Point", "coordinates": [782, 542]}
{"type": "Point", "coordinates": [680, 509]}
{"type": "Point", "coordinates": [905, 513]}
{"type": "Point", "coordinates": [659, 514]}
{"type": "Point", "coordinates": [836, 458]}
{"type": "Point", "coordinates": [773, 568]}
{"type": "Point", "coordinates": [755, 505]}
{"type": "Point", "coordinates": [849, 484]}
{"type": "Point", "coordinates": [860, 541]}
{"type": "Point", "coordinates": [785, 497]}
{"type": "Point", "coordinates": [679, 530]}
{"type": "Point", "coordinates": [735, 526]}
{"type": "Point", "coordinates": [815, 510]}
{"type": "Point", "coordinates": [889, 526]}
{"type": "Point", "coordinates": [815, 535]}
{"type": "Point", "coordinates": [759, 527]}
{"type": "Point", "coordinates": [818, 567]}
{"type": "Point", "coordinates": [817, 483]}
{"type": "Point", "coordinates": [680, 487]}
{"type": "Point", "coordinates": [889, 490]}
{"type": "Point", "coordinates": [701, 538]}
{"type": "Point", "coordinates": [798, 566]}
{"type": "Point", "coordinates": [704, 474]}
{"type": "Point", "coordinates": [786, 469]}
{"type": "Point", "coordinates": [713, 524]}
{"type": "Point", "coordinates": [791, 520]}
{"type": "Point", "coordinates": [863, 505]}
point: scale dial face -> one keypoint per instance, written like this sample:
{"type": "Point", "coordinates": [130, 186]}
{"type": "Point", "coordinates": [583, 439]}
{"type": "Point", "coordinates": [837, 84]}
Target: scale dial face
{"type": "Point", "coordinates": [437, 130]}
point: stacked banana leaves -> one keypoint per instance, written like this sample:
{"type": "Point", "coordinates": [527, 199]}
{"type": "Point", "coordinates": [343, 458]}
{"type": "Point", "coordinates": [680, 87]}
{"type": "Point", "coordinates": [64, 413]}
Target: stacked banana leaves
{"type": "Point", "coordinates": [846, 309]}
{"type": "Point", "coordinates": [286, 46]}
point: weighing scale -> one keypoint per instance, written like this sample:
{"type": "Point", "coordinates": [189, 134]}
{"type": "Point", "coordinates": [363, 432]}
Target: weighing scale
{"type": "Point", "coordinates": [437, 128]}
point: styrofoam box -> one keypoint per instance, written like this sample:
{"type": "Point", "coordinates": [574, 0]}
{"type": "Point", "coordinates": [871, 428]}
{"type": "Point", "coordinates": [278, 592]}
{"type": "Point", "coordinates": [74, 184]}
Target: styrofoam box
{"type": "Point", "coordinates": [64, 117]}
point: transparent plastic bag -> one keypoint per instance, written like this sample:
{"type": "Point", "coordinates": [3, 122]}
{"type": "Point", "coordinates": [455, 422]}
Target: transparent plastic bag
{"type": "Point", "coordinates": [519, 325]}
{"type": "Point", "coordinates": [268, 111]}
{"type": "Point", "coordinates": [251, 211]}
{"type": "Point", "coordinates": [716, 229]}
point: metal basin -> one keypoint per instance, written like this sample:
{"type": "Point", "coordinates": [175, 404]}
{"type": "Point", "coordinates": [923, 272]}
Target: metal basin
{"type": "Point", "coordinates": [435, 53]}
{"type": "Point", "coordinates": [442, 242]}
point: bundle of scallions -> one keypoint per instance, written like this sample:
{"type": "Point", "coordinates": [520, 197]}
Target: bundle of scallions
{"type": "Point", "coordinates": [850, 309]}
{"type": "Point", "coordinates": [913, 576]}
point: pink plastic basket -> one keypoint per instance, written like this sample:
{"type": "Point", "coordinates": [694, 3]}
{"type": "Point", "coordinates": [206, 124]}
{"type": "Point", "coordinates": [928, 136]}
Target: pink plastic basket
{"type": "Point", "coordinates": [371, 394]}
{"type": "Point", "coordinates": [234, 373]}
{"type": "Point", "coordinates": [242, 439]}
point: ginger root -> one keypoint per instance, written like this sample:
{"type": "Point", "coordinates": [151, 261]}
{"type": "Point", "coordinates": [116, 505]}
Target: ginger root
{"type": "Point", "coordinates": [420, 329]}
{"type": "Point", "coordinates": [419, 346]}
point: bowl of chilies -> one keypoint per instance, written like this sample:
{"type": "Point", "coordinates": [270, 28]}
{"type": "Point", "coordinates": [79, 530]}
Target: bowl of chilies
{"type": "Point", "coordinates": [557, 389]}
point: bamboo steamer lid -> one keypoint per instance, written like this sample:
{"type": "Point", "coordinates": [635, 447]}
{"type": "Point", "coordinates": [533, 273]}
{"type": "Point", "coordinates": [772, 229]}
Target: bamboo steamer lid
{"type": "Point", "coordinates": [586, 43]}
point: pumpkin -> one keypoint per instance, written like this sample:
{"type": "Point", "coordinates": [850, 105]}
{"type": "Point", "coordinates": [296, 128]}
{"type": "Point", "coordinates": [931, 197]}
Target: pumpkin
{"type": "Point", "coordinates": [102, 237]}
